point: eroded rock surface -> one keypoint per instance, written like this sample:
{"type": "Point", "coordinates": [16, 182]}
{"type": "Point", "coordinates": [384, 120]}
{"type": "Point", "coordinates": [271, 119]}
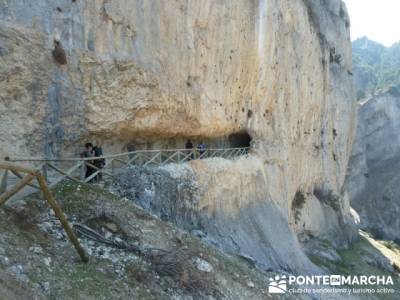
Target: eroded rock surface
{"type": "Point", "coordinates": [278, 69]}
{"type": "Point", "coordinates": [229, 207]}
{"type": "Point", "coordinates": [373, 180]}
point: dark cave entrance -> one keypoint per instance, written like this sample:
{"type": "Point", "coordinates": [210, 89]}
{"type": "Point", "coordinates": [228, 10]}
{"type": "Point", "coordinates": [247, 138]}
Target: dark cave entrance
{"type": "Point", "coordinates": [228, 146]}
{"type": "Point", "coordinates": [239, 140]}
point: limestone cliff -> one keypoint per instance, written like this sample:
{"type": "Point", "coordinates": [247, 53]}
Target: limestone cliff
{"type": "Point", "coordinates": [373, 179]}
{"type": "Point", "coordinates": [157, 70]}
{"type": "Point", "coordinates": [373, 170]}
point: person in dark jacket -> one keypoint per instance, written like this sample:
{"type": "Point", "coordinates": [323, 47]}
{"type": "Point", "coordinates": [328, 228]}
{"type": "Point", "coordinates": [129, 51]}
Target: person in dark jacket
{"type": "Point", "coordinates": [89, 152]}
{"type": "Point", "coordinates": [131, 148]}
{"type": "Point", "coordinates": [189, 146]}
{"type": "Point", "coordinates": [202, 149]}
{"type": "Point", "coordinates": [99, 163]}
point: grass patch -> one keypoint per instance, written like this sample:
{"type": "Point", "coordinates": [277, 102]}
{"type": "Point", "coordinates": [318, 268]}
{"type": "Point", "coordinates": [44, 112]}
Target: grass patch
{"type": "Point", "coordinates": [85, 279]}
{"type": "Point", "coordinates": [75, 198]}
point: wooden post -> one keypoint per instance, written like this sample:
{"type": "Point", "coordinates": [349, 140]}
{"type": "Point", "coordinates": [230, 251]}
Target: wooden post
{"type": "Point", "coordinates": [3, 183]}
{"type": "Point", "coordinates": [16, 168]}
{"type": "Point", "coordinates": [60, 215]}
{"type": "Point", "coordinates": [82, 169]}
{"type": "Point", "coordinates": [66, 174]}
{"type": "Point", "coordinates": [112, 167]}
{"type": "Point", "coordinates": [15, 189]}
{"type": "Point", "coordinates": [44, 172]}
{"type": "Point", "coordinates": [16, 173]}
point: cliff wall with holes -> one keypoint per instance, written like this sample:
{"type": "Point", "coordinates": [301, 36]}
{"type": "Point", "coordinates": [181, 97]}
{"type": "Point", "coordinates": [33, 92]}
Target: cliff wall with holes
{"type": "Point", "coordinates": [161, 71]}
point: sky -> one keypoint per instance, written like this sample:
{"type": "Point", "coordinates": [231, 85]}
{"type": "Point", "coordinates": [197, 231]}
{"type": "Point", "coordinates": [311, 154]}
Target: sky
{"type": "Point", "coordinates": [379, 20]}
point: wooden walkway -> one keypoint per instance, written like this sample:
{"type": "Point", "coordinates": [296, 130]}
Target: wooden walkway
{"type": "Point", "coordinates": [56, 170]}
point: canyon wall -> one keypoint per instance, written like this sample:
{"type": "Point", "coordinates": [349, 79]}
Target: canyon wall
{"type": "Point", "coordinates": [373, 179]}
{"type": "Point", "coordinates": [166, 70]}
{"type": "Point", "coordinates": [373, 169]}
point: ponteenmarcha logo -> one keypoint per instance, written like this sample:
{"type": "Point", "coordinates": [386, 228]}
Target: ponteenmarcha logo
{"type": "Point", "coordinates": [277, 285]}
{"type": "Point", "coordinates": [280, 284]}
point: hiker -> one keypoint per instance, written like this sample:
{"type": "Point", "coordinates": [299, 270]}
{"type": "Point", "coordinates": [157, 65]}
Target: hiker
{"type": "Point", "coordinates": [202, 149]}
{"type": "Point", "coordinates": [131, 148]}
{"type": "Point", "coordinates": [189, 146]}
{"type": "Point", "coordinates": [89, 152]}
{"type": "Point", "coordinates": [99, 163]}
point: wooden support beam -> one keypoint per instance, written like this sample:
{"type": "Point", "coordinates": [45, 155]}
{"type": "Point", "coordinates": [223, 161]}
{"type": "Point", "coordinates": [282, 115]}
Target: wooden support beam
{"type": "Point", "coordinates": [98, 170]}
{"type": "Point", "coordinates": [67, 174]}
{"type": "Point", "coordinates": [9, 166]}
{"type": "Point", "coordinates": [15, 189]}
{"type": "Point", "coordinates": [60, 215]}
{"type": "Point", "coordinates": [170, 158]}
{"type": "Point", "coordinates": [112, 167]}
{"type": "Point", "coordinates": [44, 172]}
{"type": "Point", "coordinates": [188, 156]}
{"type": "Point", "coordinates": [3, 183]}
{"type": "Point", "coordinates": [152, 159]}
{"type": "Point", "coordinates": [16, 173]}
{"type": "Point", "coordinates": [121, 161]}
{"type": "Point", "coordinates": [133, 158]}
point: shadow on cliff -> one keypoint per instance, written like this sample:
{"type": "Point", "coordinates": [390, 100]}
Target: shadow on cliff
{"type": "Point", "coordinates": [378, 202]}
{"type": "Point", "coordinates": [255, 229]}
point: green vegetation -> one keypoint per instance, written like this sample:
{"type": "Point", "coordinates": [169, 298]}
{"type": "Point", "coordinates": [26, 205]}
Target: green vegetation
{"type": "Point", "coordinates": [356, 260]}
{"type": "Point", "coordinates": [85, 277]}
{"type": "Point", "coordinates": [376, 67]}
{"type": "Point", "coordinates": [75, 198]}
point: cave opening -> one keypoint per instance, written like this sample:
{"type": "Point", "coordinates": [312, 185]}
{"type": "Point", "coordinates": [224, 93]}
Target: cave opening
{"type": "Point", "coordinates": [239, 140]}
{"type": "Point", "coordinates": [230, 145]}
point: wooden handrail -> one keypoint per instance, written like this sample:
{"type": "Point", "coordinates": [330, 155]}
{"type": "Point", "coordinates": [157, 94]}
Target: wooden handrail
{"type": "Point", "coordinates": [138, 157]}
{"type": "Point", "coordinates": [15, 189]}
{"type": "Point", "coordinates": [141, 158]}
{"type": "Point", "coordinates": [8, 166]}
{"type": "Point", "coordinates": [40, 159]}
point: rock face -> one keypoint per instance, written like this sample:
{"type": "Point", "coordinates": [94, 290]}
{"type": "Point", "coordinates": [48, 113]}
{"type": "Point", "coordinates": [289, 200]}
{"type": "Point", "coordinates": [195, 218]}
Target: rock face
{"type": "Point", "coordinates": [373, 180]}
{"type": "Point", "coordinates": [156, 70]}
{"type": "Point", "coordinates": [375, 67]}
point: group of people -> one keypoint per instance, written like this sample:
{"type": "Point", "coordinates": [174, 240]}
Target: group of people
{"type": "Point", "coordinates": [93, 165]}
{"type": "Point", "coordinates": [97, 162]}
{"type": "Point", "coordinates": [202, 148]}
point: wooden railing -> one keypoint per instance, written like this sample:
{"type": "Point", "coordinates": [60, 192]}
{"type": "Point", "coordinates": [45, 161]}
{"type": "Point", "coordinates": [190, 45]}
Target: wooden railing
{"type": "Point", "coordinates": [56, 170]}
{"type": "Point", "coordinates": [25, 180]}
{"type": "Point", "coordinates": [49, 172]}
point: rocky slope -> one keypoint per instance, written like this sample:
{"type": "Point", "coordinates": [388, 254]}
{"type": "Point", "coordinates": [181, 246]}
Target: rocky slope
{"type": "Point", "coordinates": [166, 70]}
{"type": "Point", "coordinates": [37, 261]}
